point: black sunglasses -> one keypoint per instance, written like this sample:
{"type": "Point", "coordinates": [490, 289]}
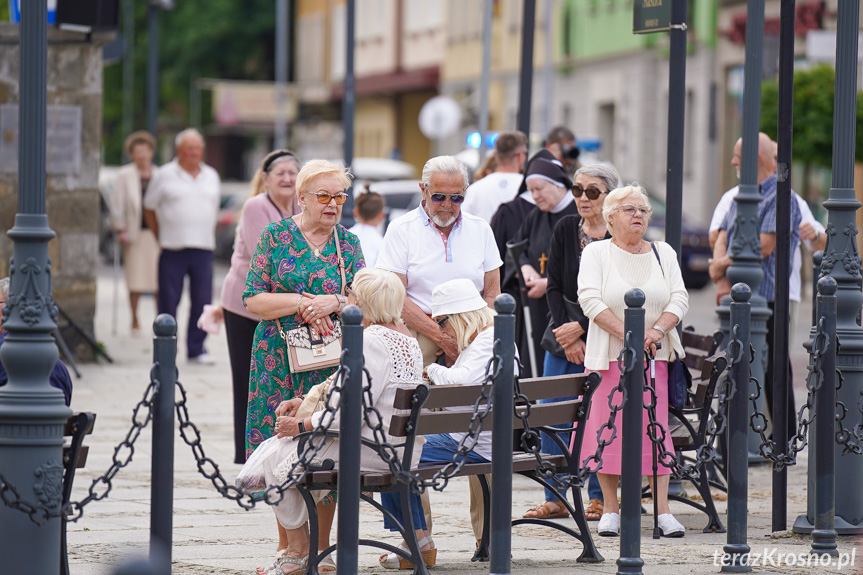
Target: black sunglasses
{"type": "Point", "coordinates": [592, 193]}
{"type": "Point", "coordinates": [454, 199]}
{"type": "Point", "coordinates": [441, 321]}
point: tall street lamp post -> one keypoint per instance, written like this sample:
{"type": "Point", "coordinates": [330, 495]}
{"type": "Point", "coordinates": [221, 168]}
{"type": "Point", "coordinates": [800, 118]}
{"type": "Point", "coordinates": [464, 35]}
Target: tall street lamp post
{"type": "Point", "coordinates": [745, 246]}
{"type": "Point", "coordinates": [32, 412]}
{"type": "Point", "coordinates": [842, 262]}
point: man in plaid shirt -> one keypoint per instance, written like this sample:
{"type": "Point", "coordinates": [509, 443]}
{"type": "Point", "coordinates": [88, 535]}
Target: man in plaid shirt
{"type": "Point", "coordinates": [767, 234]}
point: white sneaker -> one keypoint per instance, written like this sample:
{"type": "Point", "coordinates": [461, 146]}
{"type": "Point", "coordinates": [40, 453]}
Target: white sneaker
{"type": "Point", "coordinates": [609, 525]}
{"type": "Point", "coordinates": [669, 526]}
{"type": "Point", "coordinates": [203, 359]}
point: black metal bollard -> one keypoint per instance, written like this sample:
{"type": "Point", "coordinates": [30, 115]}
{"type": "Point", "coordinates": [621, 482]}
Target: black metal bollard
{"type": "Point", "coordinates": [350, 422]}
{"type": "Point", "coordinates": [162, 466]}
{"type": "Point", "coordinates": [736, 550]}
{"type": "Point", "coordinates": [824, 534]}
{"type": "Point", "coordinates": [630, 560]}
{"type": "Point", "coordinates": [501, 446]}
{"type": "Point", "coordinates": [817, 258]}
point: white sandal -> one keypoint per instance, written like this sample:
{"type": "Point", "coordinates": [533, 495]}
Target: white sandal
{"type": "Point", "coordinates": [394, 561]}
{"type": "Point", "coordinates": [276, 568]}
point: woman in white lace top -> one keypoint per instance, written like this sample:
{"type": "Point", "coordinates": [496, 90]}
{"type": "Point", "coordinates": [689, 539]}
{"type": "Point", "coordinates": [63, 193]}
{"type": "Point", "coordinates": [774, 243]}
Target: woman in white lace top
{"type": "Point", "coordinates": [393, 359]}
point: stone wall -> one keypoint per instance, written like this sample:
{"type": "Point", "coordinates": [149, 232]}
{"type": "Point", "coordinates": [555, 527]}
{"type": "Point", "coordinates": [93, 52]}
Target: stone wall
{"type": "Point", "coordinates": [72, 199]}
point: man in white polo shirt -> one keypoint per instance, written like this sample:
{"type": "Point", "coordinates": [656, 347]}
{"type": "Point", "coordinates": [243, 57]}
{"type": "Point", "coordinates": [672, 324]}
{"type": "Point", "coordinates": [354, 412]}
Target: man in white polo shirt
{"type": "Point", "coordinates": [181, 207]}
{"type": "Point", "coordinates": [435, 243]}
{"type": "Point", "coordinates": [486, 195]}
{"type": "Point", "coordinates": [428, 246]}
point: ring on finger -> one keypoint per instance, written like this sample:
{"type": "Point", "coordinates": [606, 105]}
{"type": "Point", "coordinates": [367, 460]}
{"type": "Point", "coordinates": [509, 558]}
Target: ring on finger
{"type": "Point", "coordinates": [318, 321]}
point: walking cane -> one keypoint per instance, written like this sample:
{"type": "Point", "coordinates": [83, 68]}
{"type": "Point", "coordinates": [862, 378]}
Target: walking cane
{"type": "Point", "coordinates": [656, 532]}
{"type": "Point", "coordinates": [115, 297]}
{"type": "Point", "coordinates": [515, 250]}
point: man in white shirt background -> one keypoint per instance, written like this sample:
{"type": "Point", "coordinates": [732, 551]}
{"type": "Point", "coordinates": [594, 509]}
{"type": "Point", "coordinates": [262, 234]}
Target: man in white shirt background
{"type": "Point", "coordinates": [811, 233]}
{"type": "Point", "coordinates": [484, 196]}
{"type": "Point", "coordinates": [438, 242]}
{"type": "Point", "coordinates": [181, 207]}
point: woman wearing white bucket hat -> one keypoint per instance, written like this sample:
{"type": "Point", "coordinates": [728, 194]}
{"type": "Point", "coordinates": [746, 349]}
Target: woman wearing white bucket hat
{"type": "Point", "coordinates": [459, 309]}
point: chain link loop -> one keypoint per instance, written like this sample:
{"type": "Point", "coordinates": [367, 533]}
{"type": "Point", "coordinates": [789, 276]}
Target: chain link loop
{"type": "Point", "coordinates": [387, 452]}
{"type": "Point", "coordinates": [101, 486]}
{"type": "Point", "coordinates": [310, 445]}
{"type": "Point", "coordinates": [814, 381]}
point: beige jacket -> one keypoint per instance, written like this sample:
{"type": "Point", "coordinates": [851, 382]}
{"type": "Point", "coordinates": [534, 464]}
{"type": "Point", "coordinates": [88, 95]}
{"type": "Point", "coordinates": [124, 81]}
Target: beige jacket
{"type": "Point", "coordinates": [126, 207]}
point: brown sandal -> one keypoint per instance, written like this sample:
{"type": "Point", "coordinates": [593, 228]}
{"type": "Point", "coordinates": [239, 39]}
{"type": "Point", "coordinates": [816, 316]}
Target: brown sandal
{"type": "Point", "coordinates": [547, 510]}
{"type": "Point", "coordinates": [594, 510]}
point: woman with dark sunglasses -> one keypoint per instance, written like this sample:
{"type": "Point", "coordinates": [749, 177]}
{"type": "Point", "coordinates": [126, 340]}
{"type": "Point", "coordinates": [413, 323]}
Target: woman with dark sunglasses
{"type": "Point", "coordinates": [566, 334]}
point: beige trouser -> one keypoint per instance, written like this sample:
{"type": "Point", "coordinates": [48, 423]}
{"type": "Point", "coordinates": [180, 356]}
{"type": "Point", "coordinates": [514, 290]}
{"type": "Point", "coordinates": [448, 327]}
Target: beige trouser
{"type": "Point", "coordinates": [429, 350]}
{"type": "Point", "coordinates": [428, 347]}
{"type": "Point", "coordinates": [476, 504]}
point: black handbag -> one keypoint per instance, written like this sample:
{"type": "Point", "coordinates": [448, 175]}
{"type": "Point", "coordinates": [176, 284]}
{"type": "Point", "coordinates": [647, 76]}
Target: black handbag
{"type": "Point", "coordinates": [549, 341]}
{"type": "Point", "coordinates": [679, 378]}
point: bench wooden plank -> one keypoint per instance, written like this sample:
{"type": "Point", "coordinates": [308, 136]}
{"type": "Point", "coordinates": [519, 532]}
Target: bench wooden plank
{"type": "Point", "coordinates": [70, 423]}
{"type": "Point", "coordinates": [459, 421]}
{"type": "Point", "coordinates": [534, 388]}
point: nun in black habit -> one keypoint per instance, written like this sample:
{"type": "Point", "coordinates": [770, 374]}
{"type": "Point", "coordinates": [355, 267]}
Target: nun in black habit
{"type": "Point", "coordinates": [550, 188]}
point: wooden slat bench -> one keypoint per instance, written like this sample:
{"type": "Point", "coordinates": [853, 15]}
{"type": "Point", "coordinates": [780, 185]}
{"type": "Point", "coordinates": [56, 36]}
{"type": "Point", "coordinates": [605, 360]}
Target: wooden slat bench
{"type": "Point", "coordinates": [425, 417]}
{"type": "Point", "coordinates": [77, 427]}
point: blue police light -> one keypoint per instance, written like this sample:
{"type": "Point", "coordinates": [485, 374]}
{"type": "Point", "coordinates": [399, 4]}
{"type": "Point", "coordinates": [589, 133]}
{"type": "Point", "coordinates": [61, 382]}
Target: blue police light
{"type": "Point", "coordinates": [474, 139]}
{"type": "Point", "coordinates": [490, 139]}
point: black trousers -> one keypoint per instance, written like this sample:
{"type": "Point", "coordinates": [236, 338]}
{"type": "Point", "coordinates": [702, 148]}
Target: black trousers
{"type": "Point", "coordinates": [241, 333]}
{"type": "Point", "coordinates": [174, 266]}
{"type": "Point", "coordinates": [769, 379]}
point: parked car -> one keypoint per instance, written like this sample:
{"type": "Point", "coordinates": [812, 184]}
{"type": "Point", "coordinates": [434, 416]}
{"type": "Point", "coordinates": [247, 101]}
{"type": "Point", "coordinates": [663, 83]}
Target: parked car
{"type": "Point", "coordinates": [695, 252]}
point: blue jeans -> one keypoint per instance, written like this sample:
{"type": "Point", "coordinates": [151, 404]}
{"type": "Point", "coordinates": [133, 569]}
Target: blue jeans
{"type": "Point", "coordinates": [554, 365]}
{"type": "Point", "coordinates": [438, 448]}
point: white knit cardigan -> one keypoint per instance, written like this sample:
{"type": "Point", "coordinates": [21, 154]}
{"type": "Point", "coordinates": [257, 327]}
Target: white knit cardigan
{"type": "Point", "coordinates": [594, 293]}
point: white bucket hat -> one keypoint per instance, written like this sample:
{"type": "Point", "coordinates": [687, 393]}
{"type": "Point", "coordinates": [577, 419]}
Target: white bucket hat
{"type": "Point", "coordinates": [456, 296]}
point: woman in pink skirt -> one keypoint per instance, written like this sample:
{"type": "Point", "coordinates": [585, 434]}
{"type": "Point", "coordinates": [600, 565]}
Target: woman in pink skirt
{"type": "Point", "coordinates": [609, 269]}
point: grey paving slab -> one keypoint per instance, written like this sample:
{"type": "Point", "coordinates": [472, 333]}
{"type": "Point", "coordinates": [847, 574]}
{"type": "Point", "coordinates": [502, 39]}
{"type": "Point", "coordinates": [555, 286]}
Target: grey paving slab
{"type": "Point", "coordinates": [213, 535]}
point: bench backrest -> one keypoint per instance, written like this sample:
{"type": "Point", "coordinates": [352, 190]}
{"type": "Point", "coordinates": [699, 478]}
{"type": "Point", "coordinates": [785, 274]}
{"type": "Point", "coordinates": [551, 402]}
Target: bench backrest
{"type": "Point", "coordinates": [427, 422]}
{"type": "Point", "coordinates": [698, 349]}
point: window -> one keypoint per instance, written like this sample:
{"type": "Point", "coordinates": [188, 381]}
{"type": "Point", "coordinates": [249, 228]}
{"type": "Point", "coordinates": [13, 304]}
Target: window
{"type": "Point", "coordinates": [422, 15]}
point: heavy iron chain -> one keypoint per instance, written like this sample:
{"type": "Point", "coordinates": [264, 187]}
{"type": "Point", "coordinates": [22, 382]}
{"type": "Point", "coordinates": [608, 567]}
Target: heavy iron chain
{"type": "Point", "coordinates": [142, 414]}
{"type": "Point", "coordinates": [814, 381]}
{"type": "Point", "coordinates": [849, 439]}
{"type": "Point", "coordinates": [530, 439]}
{"type": "Point", "coordinates": [481, 409]}
{"type": "Point", "coordinates": [310, 446]}
{"type": "Point", "coordinates": [707, 452]}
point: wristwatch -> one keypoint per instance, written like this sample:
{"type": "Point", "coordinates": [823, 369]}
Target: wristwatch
{"type": "Point", "coordinates": [301, 426]}
{"type": "Point", "coordinates": [341, 299]}
{"type": "Point", "coordinates": [659, 329]}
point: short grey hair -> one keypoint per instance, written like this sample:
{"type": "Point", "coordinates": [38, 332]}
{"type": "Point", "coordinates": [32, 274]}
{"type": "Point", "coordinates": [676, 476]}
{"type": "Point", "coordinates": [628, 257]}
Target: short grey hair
{"type": "Point", "coordinates": [604, 172]}
{"type": "Point", "coordinates": [444, 165]}
{"type": "Point", "coordinates": [620, 194]}
{"type": "Point", "coordinates": [178, 140]}
{"type": "Point", "coordinates": [4, 289]}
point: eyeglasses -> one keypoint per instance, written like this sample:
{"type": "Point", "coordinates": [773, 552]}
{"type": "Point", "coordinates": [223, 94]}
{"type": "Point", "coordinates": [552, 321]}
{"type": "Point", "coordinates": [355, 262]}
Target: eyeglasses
{"type": "Point", "coordinates": [631, 210]}
{"type": "Point", "coordinates": [455, 199]}
{"type": "Point", "coordinates": [592, 193]}
{"type": "Point", "coordinates": [325, 198]}
{"type": "Point", "coordinates": [441, 321]}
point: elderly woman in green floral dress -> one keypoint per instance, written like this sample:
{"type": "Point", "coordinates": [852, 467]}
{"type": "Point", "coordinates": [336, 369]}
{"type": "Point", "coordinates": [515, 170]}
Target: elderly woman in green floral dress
{"type": "Point", "coordinates": [294, 279]}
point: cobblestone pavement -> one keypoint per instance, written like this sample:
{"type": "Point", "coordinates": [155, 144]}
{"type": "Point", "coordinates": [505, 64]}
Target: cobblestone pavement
{"type": "Point", "coordinates": [214, 535]}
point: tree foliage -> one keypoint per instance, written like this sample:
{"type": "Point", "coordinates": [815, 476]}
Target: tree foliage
{"type": "Point", "coordinates": [223, 39]}
{"type": "Point", "coordinates": [813, 115]}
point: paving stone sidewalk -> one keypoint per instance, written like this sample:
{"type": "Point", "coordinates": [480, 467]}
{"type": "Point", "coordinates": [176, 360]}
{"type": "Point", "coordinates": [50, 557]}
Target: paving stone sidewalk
{"type": "Point", "coordinates": [214, 535]}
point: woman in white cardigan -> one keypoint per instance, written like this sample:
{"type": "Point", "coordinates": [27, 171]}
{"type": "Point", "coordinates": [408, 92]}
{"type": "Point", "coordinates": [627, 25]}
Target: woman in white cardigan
{"type": "Point", "coordinates": [393, 359]}
{"type": "Point", "coordinates": [140, 248]}
{"type": "Point", "coordinates": [609, 269]}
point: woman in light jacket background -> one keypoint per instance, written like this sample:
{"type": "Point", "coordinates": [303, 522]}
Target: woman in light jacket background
{"type": "Point", "coordinates": [140, 247]}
